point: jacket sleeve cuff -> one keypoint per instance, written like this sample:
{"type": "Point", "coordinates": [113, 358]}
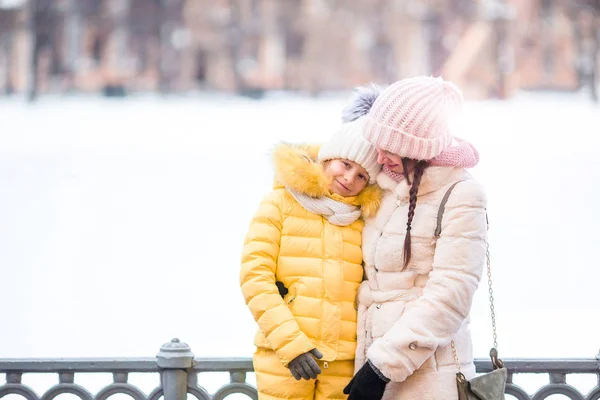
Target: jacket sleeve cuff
{"type": "Point", "coordinates": [299, 345]}
{"type": "Point", "coordinates": [392, 363]}
{"type": "Point", "coordinates": [378, 372]}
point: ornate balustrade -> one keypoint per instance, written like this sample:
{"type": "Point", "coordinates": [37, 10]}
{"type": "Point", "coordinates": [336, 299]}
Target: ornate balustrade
{"type": "Point", "coordinates": [179, 371]}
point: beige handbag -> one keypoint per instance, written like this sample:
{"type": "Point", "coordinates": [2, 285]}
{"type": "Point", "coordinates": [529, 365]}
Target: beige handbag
{"type": "Point", "coordinates": [490, 386]}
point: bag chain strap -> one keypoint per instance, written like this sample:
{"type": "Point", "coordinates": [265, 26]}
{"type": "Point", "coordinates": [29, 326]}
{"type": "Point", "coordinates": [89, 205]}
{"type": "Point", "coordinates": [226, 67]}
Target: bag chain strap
{"type": "Point", "coordinates": [496, 362]}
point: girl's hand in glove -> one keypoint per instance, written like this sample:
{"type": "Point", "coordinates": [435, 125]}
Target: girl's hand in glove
{"type": "Point", "coordinates": [305, 366]}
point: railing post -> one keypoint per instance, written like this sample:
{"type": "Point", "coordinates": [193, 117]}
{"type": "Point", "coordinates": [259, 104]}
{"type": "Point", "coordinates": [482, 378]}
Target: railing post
{"type": "Point", "coordinates": [174, 358]}
{"type": "Point", "coordinates": [598, 363]}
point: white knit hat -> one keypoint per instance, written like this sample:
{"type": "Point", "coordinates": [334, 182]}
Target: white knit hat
{"type": "Point", "coordinates": [349, 143]}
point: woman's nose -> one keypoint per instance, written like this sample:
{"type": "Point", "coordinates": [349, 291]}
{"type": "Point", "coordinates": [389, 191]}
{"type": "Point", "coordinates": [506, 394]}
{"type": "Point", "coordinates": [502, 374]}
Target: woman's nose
{"type": "Point", "coordinates": [380, 157]}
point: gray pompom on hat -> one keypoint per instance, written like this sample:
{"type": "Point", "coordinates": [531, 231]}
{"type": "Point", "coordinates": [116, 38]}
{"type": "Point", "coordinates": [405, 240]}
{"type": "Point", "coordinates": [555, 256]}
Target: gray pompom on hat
{"type": "Point", "coordinates": [361, 102]}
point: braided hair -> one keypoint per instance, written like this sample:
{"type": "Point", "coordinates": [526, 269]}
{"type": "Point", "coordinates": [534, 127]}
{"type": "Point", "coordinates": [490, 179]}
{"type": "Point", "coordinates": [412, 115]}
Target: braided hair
{"type": "Point", "coordinates": [414, 189]}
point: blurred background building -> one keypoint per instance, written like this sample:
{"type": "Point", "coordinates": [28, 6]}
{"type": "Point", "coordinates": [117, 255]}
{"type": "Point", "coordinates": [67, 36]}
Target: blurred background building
{"type": "Point", "coordinates": [491, 48]}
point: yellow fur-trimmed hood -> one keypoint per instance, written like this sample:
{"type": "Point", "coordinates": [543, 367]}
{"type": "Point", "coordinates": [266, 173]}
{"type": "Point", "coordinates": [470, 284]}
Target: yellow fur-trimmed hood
{"type": "Point", "coordinates": [297, 168]}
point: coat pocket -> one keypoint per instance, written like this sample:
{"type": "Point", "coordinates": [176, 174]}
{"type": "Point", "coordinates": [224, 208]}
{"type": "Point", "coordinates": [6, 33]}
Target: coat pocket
{"type": "Point", "coordinates": [444, 355]}
{"type": "Point", "coordinates": [385, 315]}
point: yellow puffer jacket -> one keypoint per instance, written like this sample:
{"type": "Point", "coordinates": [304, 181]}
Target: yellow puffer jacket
{"type": "Point", "coordinates": [320, 264]}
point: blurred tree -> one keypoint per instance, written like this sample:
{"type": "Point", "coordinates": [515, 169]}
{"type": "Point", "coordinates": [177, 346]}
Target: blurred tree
{"type": "Point", "coordinates": [291, 27]}
{"type": "Point", "coordinates": [446, 21]}
{"type": "Point", "coordinates": [8, 24]}
{"type": "Point", "coordinates": [42, 27]}
{"type": "Point", "coordinates": [172, 38]}
{"type": "Point", "coordinates": [383, 64]}
{"type": "Point", "coordinates": [236, 35]}
{"type": "Point", "coordinates": [144, 21]}
{"type": "Point", "coordinates": [585, 16]}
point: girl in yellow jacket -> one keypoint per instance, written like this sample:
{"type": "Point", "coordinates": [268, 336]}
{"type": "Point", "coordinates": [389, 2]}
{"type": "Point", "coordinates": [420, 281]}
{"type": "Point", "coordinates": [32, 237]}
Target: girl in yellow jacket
{"type": "Point", "coordinates": [306, 237]}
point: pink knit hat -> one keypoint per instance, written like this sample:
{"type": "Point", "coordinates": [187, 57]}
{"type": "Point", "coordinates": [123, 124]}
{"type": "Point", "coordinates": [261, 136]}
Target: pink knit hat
{"type": "Point", "coordinates": [411, 117]}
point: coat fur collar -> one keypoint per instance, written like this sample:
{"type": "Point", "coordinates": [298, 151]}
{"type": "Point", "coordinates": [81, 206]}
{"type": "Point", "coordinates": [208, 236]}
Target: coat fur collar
{"type": "Point", "coordinates": [296, 167]}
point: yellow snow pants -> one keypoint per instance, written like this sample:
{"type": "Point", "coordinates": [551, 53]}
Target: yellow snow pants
{"type": "Point", "coordinates": [275, 382]}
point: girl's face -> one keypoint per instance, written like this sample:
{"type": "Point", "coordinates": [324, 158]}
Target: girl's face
{"type": "Point", "coordinates": [347, 177]}
{"type": "Point", "coordinates": [392, 161]}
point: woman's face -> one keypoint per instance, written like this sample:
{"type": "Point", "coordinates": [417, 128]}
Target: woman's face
{"type": "Point", "coordinates": [392, 161]}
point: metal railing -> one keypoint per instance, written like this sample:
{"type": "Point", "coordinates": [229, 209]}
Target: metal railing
{"type": "Point", "coordinates": [179, 371]}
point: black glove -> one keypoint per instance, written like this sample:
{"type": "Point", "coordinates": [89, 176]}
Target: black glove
{"type": "Point", "coordinates": [305, 366]}
{"type": "Point", "coordinates": [282, 289]}
{"type": "Point", "coordinates": [367, 384]}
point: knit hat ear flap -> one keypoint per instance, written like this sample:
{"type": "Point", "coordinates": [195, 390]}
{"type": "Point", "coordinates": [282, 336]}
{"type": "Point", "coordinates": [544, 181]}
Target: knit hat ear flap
{"type": "Point", "coordinates": [361, 102]}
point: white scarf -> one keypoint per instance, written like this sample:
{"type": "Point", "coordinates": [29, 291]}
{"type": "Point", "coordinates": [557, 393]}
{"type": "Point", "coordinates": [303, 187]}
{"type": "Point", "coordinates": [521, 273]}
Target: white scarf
{"type": "Point", "coordinates": [336, 212]}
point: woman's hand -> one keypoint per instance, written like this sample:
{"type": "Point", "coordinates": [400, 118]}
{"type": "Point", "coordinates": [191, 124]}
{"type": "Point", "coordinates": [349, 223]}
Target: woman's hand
{"type": "Point", "coordinates": [368, 384]}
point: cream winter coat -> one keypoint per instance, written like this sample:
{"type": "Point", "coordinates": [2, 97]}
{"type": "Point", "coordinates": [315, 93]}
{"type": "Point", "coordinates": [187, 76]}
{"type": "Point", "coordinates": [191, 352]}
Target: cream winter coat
{"type": "Point", "coordinates": [408, 317]}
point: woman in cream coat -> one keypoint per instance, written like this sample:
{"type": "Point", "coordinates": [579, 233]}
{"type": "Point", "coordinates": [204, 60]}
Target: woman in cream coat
{"type": "Point", "coordinates": [416, 298]}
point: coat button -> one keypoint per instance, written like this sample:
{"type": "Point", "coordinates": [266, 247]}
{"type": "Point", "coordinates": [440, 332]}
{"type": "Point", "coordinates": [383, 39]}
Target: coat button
{"type": "Point", "coordinates": [412, 346]}
{"type": "Point", "coordinates": [402, 201]}
{"type": "Point", "coordinates": [378, 306]}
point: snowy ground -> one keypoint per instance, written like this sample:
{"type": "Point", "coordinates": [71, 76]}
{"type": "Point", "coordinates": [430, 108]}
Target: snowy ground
{"type": "Point", "coordinates": [121, 222]}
